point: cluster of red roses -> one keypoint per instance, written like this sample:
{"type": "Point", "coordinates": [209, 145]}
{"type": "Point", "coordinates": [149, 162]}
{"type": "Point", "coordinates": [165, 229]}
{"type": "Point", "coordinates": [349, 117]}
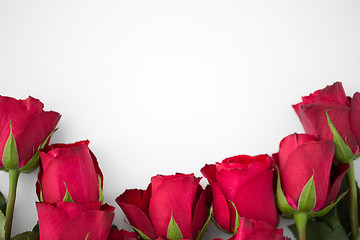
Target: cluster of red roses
{"type": "Point", "coordinates": [310, 169]}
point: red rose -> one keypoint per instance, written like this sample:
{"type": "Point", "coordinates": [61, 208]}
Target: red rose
{"type": "Point", "coordinates": [256, 230]}
{"type": "Point", "coordinates": [300, 158]}
{"type": "Point", "coordinates": [70, 190]}
{"type": "Point", "coordinates": [246, 182]}
{"type": "Point", "coordinates": [72, 166]}
{"type": "Point", "coordinates": [343, 111]}
{"type": "Point", "coordinates": [65, 220]}
{"type": "Point", "coordinates": [30, 126]}
{"type": "Point", "coordinates": [178, 197]}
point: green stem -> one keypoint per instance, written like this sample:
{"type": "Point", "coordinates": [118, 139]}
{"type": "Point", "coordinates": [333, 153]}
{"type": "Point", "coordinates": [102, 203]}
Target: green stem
{"type": "Point", "coordinates": [13, 179]}
{"type": "Point", "coordinates": [300, 222]}
{"type": "Point", "coordinates": [353, 206]}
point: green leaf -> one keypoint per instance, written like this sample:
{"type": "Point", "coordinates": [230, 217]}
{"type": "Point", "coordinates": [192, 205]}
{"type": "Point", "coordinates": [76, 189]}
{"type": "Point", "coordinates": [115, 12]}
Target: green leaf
{"type": "Point", "coordinates": [173, 232]}
{"type": "Point", "coordinates": [356, 156]}
{"type": "Point", "coordinates": [237, 221]}
{"type": "Point", "coordinates": [34, 161]}
{"type": "Point", "coordinates": [26, 236]}
{"type": "Point", "coordinates": [2, 204]}
{"type": "Point", "coordinates": [2, 225]}
{"type": "Point", "coordinates": [343, 152]}
{"type": "Point", "coordinates": [101, 196]}
{"type": "Point", "coordinates": [10, 157]}
{"type": "Point", "coordinates": [142, 235]}
{"type": "Point", "coordinates": [67, 197]}
{"type": "Point", "coordinates": [343, 206]}
{"type": "Point", "coordinates": [280, 198]}
{"type": "Point", "coordinates": [202, 231]}
{"type": "Point", "coordinates": [307, 199]}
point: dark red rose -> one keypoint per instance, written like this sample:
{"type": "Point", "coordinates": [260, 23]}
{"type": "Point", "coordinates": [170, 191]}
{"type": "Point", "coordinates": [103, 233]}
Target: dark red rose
{"type": "Point", "coordinates": [343, 111]}
{"type": "Point", "coordinates": [177, 196]}
{"type": "Point", "coordinates": [31, 125]}
{"type": "Point", "coordinates": [246, 182]}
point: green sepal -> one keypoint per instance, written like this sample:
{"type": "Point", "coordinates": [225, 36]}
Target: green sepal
{"type": "Point", "coordinates": [307, 199]}
{"type": "Point", "coordinates": [2, 225]}
{"type": "Point", "coordinates": [67, 197]}
{"type": "Point", "coordinates": [101, 195]}
{"type": "Point", "coordinates": [10, 156]}
{"type": "Point", "coordinates": [324, 211]}
{"type": "Point", "coordinates": [141, 234]}
{"type": "Point", "coordinates": [280, 198]}
{"type": "Point", "coordinates": [237, 221]}
{"type": "Point", "coordinates": [41, 198]}
{"type": "Point", "coordinates": [2, 204]}
{"type": "Point", "coordinates": [173, 231]}
{"type": "Point", "coordinates": [87, 235]}
{"type": "Point", "coordinates": [202, 231]}
{"type": "Point", "coordinates": [343, 152]}
{"type": "Point", "coordinates": [34, 161]}
{"type": "Point", "coordinates": [26, 236]}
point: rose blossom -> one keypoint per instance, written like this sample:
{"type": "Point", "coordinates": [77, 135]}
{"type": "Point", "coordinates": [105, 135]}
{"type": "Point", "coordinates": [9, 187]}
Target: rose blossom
{"type": "Point", "coordinates": [176, 196]}
{"type": "Point", "coordinates": [31, 125]}
{"type": "Point", "coordinates": [343, 111]}
{"type": "Point", "coordinates": [70, 191]}
{"type": "Point", "coordinates": [246, 182]}
{"type": "Point", "coordinates": [299, 158]}
{"type": "Point", "coordinates": [71, 166]}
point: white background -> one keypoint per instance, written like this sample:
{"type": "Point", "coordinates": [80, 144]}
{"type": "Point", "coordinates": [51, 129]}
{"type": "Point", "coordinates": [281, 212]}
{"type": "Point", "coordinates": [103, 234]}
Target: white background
{"type": "Point", "coordinates": [160, 87]}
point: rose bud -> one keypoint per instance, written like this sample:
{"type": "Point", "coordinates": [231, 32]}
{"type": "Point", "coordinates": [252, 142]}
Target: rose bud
{"type": "Point", "coordinates": [72, 168]}
{"type": "Point", "coordinates": [67, 220]}
{"type": "Point", "coordinates": [242, 186]}
{"type": "Point", "coordinates": [256, 230]}
{"type": "Point", "coordinates": [172, 207]}
{"type": "Point", "coordinates": [307, 183]}
{"type": "Point", "coordinates": [342, 110]}
{"type": "Point", "coordinates": [25, 128]}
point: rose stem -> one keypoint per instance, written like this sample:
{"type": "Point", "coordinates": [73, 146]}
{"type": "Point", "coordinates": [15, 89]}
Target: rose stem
{"type": "Point", "coordinates": [353, 207]}
{"type": "Point", "coordinates": [13, 179]}
{"type": "Point", "coordinates": [300, 222]}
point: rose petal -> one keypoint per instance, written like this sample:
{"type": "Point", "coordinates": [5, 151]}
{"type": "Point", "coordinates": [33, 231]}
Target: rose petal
{"type": "Point", "coordinates": [74, 167]}
{"type": "Point", "coordinates": [115, 234]}
{"type": "Point", "coordinates": [201, 214]}
{"type": "Point", "coordinates": [355, 116]}
{"type": "Point", "coordinates": [220, 204]}
{"type": "Point", "coordinates": [288, 145]}
{"type": "Point", "coordinates": [95, 223]}
{"type": "Point", "coordinates": [339, 173]}
{"type": "Point", "coordinates": [251, 196]}
{"type": "Point", "coordinates": [51, 220]}
{"type": "Point", "coordinates": [136, 216]}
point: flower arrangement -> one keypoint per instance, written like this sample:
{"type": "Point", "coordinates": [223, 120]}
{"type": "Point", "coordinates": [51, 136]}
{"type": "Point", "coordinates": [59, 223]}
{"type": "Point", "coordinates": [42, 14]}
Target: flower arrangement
{"type": "Point", "coordinates": [310, 179]}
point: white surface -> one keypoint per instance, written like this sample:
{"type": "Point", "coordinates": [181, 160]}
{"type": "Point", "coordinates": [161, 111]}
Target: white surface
{"type": "Point", "coordinates": [168, 86]}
